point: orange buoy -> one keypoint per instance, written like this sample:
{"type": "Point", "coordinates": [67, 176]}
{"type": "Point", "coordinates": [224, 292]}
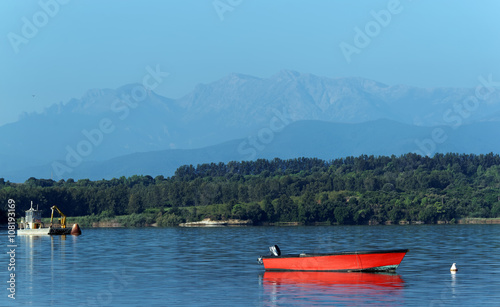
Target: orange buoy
{"type": "Point", "coordinates": [76, 231]}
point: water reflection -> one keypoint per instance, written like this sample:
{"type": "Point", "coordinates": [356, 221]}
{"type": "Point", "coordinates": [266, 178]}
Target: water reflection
{"type": "Point", "coordinates": [282, 288]}
{"type": "Point", "coordinates": [44, 263]}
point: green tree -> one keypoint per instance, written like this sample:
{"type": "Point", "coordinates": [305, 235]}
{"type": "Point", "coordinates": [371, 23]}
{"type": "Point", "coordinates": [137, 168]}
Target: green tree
{"type": "Point", "coordinates": [286, 209]}
{"type": "Point", "coordinates": [343, 215]}
{"type": "Point", "coordinates": [135, 204]}
{"type": "Point", "coordinates": [255, 213]}
{"type": "Point", "coordinates": [269, 210]}
{"type": "Point", "coordinates": [308, 209]}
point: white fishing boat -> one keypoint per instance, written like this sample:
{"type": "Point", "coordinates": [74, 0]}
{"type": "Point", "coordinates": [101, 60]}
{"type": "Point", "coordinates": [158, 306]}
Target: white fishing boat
{"type": "Point", "coordinates": [32, 225]}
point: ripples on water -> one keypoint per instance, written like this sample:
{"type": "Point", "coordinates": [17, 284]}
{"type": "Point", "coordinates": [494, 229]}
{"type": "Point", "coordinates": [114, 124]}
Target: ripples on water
{"type": "Point", "coordinates": [218, 266]}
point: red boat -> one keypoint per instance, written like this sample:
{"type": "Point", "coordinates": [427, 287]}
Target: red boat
{"type": "Point", "coordinates": [358, 261]}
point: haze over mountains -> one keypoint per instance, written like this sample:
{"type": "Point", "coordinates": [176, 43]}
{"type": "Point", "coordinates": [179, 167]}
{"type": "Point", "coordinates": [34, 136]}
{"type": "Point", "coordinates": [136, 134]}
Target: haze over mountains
{"type": "Point", "coordinates": [112, 133]}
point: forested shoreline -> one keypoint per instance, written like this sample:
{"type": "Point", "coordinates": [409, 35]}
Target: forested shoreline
{"type": "Point", "coordinates": [353, 190]}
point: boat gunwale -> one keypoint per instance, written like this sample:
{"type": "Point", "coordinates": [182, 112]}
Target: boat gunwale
{"type": "Point", "coordinates": [367, 252]}
{"type": "Point", "coordinates": [43, 231]}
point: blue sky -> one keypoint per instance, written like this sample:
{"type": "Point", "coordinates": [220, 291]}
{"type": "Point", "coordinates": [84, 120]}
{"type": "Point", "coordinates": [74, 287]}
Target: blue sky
{"type": "Point", "coordinates": [79, 45]}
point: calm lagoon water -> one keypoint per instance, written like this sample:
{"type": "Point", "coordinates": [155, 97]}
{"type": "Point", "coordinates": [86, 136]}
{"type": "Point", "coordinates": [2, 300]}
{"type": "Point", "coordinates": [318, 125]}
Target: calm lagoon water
{"type": "Point", "coordinates": [218, 266]}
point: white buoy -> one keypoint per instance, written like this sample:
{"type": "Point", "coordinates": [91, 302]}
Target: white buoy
{"type": "Point", "coordinates": [453, 268]}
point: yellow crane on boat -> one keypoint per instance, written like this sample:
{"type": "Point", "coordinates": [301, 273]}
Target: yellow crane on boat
{"type": "Point", "coordinates": [62, 219]}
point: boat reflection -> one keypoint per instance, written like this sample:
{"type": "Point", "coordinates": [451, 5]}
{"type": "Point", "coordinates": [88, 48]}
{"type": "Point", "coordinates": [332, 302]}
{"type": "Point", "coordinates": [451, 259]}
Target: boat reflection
{"type": "Point", "coordinates": [331, 287]}
{"type": "Point", "coordinates": [40, 263]}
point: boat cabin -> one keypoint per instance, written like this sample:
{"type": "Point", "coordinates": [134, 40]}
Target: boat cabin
{"type": "Point", "coordinates": [33, 219]}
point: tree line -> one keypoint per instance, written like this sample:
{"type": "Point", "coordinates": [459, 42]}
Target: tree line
{"type": "Point", "coordinates": [350, 190]}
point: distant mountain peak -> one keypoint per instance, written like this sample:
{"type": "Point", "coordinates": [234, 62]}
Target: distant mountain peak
{"type": "Point", "coordinates": [127, 88]}
{"type": "Point", "coordinates": [95, 93]}
{"type": "Point", "coordinates": [287, 74]}
{"type": "Point", "coordinates": [235, 78]}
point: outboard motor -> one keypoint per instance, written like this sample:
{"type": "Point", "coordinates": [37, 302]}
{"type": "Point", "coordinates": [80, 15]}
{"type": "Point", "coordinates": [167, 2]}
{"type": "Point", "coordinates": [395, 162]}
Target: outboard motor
{"type": "Point", "coordinates": [275, 250]}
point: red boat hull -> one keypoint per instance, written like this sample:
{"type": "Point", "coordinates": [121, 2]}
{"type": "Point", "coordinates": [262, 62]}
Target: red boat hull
{"type": "Point", "coordinates": [387, 260]}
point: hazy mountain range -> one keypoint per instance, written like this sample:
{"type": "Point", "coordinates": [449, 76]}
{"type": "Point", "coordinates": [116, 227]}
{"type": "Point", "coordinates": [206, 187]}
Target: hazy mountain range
{"type": "Point", "coordinates": [111, 133]}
